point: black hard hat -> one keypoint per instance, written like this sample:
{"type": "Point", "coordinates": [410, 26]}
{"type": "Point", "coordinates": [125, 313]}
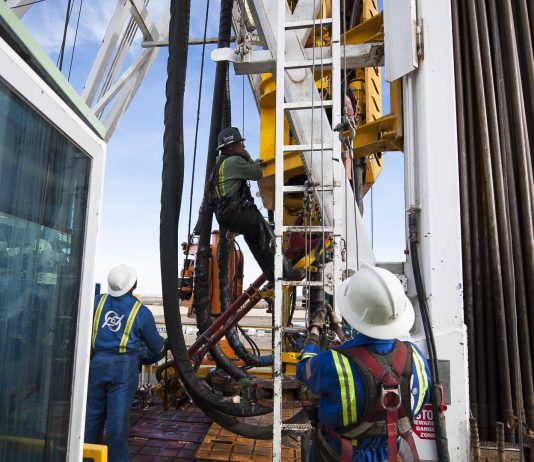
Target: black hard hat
{"type": "Point", "coordinates": [229, 136]}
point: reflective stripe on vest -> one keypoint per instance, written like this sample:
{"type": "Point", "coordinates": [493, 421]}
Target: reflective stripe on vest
{"type": "Point", "coordinates": [347, 389]}
{"type": "Point", "coordinates": [220, 187]}
{"type": "Point", "coordinates": [96, 319]}
{"type": "Point", "coordinates": [423, 379]}
{"type": "Point", "coordinates": [128, 328]}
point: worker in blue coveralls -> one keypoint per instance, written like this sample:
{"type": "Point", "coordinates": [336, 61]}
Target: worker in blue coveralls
{"type": "Point", "coordinates": [371, 387]}
{"type": "Point", "coordinates": [122, 327]}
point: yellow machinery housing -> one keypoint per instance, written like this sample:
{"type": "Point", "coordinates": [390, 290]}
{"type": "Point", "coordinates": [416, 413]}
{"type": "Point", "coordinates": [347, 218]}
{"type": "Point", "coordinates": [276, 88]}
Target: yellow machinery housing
{"type": "Point", "coordinates": [374, 134]}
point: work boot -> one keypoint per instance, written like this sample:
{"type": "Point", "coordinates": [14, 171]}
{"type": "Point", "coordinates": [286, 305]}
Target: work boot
{"type": "Point", "coordinates": [290, 273]}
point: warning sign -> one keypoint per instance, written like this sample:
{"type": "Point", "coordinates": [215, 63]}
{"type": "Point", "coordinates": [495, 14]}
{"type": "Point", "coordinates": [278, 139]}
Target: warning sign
{"type": "Point", "coordinates": [423, 426]}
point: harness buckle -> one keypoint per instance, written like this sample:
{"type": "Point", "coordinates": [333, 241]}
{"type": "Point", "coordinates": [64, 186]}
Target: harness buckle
{"type": "Point", "coordinates": [390, 397]}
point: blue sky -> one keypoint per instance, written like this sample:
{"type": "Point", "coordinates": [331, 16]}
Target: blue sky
{"type": "Point", "coordinates": [130, 212]}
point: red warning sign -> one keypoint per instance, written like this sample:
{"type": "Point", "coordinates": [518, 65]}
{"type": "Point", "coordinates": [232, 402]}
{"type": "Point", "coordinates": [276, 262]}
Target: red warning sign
{"type": "Point", "coordinates": [423, 426]}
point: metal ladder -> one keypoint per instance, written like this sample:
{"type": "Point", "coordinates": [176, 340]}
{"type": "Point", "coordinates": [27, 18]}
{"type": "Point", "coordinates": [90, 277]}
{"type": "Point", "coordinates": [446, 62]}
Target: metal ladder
{"type": "Point", "coordinates": [328, 188]}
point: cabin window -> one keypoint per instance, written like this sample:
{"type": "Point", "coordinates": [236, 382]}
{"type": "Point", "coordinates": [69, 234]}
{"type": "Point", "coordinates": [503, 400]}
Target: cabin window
{"type": "Point", "coordinates": [44, 180]}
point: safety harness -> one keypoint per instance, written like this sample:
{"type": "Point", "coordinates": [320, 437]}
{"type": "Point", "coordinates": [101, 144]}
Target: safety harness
{"type": "Point", "coordinates": [241, 195]}
{"type": "Point", "coordinates": [386, 379]}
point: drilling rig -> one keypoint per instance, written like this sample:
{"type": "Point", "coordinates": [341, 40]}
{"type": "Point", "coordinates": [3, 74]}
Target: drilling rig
{"type": "Point", "coordinates": [461, 99]}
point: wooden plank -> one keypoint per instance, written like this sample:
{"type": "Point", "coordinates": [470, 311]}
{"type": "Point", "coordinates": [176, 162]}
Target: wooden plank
{"type": "Point", "coordinates": [222, 445]}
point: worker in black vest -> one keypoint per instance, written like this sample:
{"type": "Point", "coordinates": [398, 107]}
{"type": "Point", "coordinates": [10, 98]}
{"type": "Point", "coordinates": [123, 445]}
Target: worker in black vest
{"type": "Point", "coordinates": [234, 206]}
{"type": "Point", "coordinates": [371, 387]}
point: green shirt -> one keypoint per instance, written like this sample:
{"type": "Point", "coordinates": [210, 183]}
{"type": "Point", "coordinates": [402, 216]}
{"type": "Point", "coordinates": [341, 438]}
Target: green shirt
{"type": "Point", "coordinates": [234, 170]}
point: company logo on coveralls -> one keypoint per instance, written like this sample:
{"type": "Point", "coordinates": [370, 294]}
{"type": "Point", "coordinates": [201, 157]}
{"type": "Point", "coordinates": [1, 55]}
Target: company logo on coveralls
{"type": "Point", "coordinates": [112, 321]}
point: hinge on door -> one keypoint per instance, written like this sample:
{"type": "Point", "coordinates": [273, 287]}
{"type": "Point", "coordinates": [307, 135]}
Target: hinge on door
{"type": "Point", "coordinates": [419, 43]}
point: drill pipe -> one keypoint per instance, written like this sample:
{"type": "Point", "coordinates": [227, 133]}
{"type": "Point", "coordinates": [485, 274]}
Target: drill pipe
{"type": "Point", "coordinates": [475, 232]}
{"type": "Point", "coordinates": [487, 323]}
{"type": "Point", "coordinates": [464, 210]}
{"type": "Point", "coordinates": [518, 271]}
{"type": "Point", "coordinates": [490, 212]}
{"type": "Point", "coordinates": [524, 36]}
{"type": "Point", "coordinates": [523, 166]}
{"type": "Point", "coordinates": [501, 210]}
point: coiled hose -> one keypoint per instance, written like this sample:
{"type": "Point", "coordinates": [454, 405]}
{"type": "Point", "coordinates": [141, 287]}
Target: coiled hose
{"type": "Point", "coordinates": [214, 407]}
{"type": "Point", "coordinates": [220, 118]}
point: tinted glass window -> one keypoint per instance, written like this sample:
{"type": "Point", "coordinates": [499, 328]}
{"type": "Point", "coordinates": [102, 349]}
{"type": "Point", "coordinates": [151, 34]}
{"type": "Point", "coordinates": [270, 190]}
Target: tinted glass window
{"type": "Point", "coordinates": [43, 197]}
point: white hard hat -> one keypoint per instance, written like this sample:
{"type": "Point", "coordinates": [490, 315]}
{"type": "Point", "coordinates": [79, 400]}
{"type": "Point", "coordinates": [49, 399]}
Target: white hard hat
{"type": "Point", "coordinates": [120, 280]}
{"type": "Point", "coordinates": [373, 302]}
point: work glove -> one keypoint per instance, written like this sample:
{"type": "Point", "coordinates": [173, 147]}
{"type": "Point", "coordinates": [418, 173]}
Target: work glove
{"type": "Point", "coordinates": [332, 316]}
{"type": "Point", "coordinates": [246, 156]}
{"type": "Point", "coordinates": [318, 319]}
{"type": "Point", "coordinates": [166, 344]}
{"type": "Point", "coordinates": [335, 322]}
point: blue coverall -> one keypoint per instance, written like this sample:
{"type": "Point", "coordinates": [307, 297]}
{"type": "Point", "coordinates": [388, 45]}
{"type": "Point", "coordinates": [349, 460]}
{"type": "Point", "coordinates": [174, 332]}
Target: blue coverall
{"type": "Point", "coordinates": [322, 373]}
{"type": "Point", "coordinates": [120, 324]}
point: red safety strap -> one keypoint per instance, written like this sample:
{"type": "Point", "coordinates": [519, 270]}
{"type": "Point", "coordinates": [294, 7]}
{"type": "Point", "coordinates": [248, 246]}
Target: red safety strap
{"type": "Point", "coordinates": [346, 450]}
{"type": "Point", "coordinates": [408, 437]}
{"type": "Point", "coordinates": [346, 443]}
{"type": "Point", "coordinates": [391, 425]}
{"type": "Point", "coordinates": [399, 360]}
{"type": "Point", "coordinates": [378, 372]}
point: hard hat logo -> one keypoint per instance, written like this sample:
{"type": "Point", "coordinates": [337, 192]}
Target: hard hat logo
{"type": "Point", "coordinates": [229, 136]}
{"type": "Point", "coordinates": [112, 321]}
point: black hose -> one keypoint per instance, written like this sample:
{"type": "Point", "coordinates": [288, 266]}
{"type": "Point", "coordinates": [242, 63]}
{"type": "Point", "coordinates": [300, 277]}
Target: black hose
{"type": "Point", "coordinates": [355, 13]}
{"type": "Point", "coordinates": [253, 345]}
{"type": "Point", "coordinates": [171, 195]}
{"type": "Point", "coordinates": [436, 392]}
{"type": "Point", "coordinates": [220, 118]}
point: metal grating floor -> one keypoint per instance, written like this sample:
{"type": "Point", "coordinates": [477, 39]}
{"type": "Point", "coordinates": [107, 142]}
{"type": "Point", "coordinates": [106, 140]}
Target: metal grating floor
{"type": "Point", "coordinates": [164, 436]}
{"type": "Point", "coordinates": [222, 445]}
